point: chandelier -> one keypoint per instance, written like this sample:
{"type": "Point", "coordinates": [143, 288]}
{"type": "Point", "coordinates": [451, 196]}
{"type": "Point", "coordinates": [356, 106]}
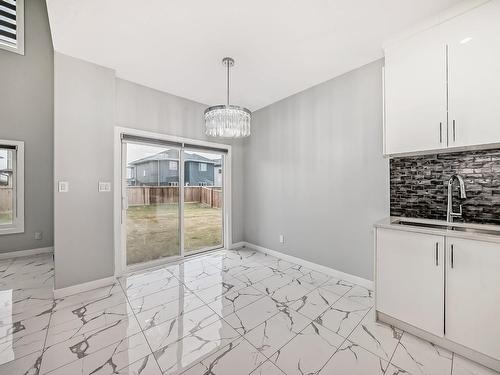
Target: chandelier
{"type": "Point", "coordinates": [227, 120]}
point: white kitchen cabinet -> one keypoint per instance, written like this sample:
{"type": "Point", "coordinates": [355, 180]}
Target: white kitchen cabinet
{"type": "Point", "coordinates": [415, 95]}
{"type": "Point", "coordinates": [473, 295]}
{"type": "Point", "coordinates": [410, 278]}
{"type": "Point", "coordinates": [448, 75]}
{"type": "Point", "coordinates": [474, 81]}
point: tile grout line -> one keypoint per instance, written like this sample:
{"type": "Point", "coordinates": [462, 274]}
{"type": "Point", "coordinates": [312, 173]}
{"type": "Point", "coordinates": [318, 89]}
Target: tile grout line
{"type": "Point", "coordinates": [140, 327]}
{"type": "Point", "coordinates": [47, 330]}
{"type": "Point", "coordinates": [396, 348]}
{"type": "Point", "coordinates": [307, 325]}
{"type": "Point", "coordinates": [346, 338]}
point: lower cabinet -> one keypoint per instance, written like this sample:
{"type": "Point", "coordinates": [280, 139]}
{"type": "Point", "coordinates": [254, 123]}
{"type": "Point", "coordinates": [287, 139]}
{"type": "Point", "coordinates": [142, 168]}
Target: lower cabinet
{"type": "Point", "coordinates": [447, 286]}
{"type": "Point", "coordinates": [410, 278]}
{"type": "Point", "coordinates": [473, 295]}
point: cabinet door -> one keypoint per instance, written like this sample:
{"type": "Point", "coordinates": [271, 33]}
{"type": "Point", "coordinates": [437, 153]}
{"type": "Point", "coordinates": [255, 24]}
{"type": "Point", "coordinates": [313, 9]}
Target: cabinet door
{"type": "Point", "coordinates": [473, 295]}
{"type": "Point", "coordinates": [474, 79]}
{"type": "Point", "coordinates": [410, 278]}
{"type": "Point", "coordinates": [415, 94]}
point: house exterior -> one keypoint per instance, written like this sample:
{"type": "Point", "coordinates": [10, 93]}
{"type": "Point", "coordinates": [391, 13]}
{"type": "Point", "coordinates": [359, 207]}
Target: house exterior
{"type": "Point", "coordinates": [162, 169]}
{"type": "Point", "coordinates": [218, 173]}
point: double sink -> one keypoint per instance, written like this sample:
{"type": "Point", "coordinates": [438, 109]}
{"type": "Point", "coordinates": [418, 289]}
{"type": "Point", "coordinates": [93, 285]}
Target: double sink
{"type": "Point", "coordinates": [448, 226]}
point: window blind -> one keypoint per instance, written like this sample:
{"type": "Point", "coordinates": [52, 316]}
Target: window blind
{"type": "Point", "coordinates": [153, 141]}
{"type": "Point", "coordinates": [8, 22]}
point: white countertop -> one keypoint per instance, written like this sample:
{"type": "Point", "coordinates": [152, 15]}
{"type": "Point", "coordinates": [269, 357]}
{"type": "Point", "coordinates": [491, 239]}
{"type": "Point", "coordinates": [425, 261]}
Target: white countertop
{"type": "Point", "coordinates": [388, 223]}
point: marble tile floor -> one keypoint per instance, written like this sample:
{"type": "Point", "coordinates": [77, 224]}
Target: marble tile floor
{"type": "Point", "coordinates": [224, 312]}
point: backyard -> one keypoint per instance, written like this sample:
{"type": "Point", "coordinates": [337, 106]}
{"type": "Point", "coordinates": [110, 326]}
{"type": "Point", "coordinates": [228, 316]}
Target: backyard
{"type": "Point", "coordinates": [153, 231]}
{"type": "Point", "coordinates": [6, 217]}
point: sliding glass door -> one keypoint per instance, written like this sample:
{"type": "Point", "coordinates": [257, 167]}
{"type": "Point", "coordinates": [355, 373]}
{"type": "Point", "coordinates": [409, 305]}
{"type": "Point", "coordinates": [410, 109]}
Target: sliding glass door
{"type": "Point", "coordinates": [203, 200]}
{"type": "Point", "coordinates": [155, 179]}
{"type": "Point", "coordinates": [152, 209]}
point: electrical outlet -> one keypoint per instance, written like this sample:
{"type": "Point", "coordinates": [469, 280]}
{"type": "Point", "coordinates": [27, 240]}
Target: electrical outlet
{"type": "Point", "coordinates": [282, 238]}
{"type": "Point", "coordinates": [63, 186]}
{"type": "Point", "coordinates": [38, 235]}
{"type": "Point", "coordinates": [104, 187]}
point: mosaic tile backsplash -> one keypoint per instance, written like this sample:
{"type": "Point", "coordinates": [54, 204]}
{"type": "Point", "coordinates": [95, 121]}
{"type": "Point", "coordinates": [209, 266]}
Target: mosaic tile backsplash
{"type": "Point", "coordinates": [419, 185]}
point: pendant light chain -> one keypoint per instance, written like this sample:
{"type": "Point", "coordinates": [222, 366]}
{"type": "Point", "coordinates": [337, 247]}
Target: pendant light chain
{"type": "Point", "coordinates": [228, 83]}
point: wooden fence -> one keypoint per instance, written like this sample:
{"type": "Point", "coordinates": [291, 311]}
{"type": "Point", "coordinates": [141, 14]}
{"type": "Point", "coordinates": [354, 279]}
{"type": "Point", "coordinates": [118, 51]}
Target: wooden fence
{"type": "Point", "coordinates": [146, 195]}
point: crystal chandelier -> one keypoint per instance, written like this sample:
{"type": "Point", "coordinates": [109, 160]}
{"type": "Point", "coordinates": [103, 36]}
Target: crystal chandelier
{"type": "Point", "coordinates": [227, 120]}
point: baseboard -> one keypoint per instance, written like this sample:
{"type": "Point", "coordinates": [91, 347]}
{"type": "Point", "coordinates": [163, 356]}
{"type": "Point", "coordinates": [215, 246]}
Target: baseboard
{"type": "Point", "coordinates": [236, 245]}
{"type": "Point", "coordinates": [83, 287]}
{"type": "Point", "coordinates": [26, 253]}
{"type": "Point", "coordinates": [314, 266]}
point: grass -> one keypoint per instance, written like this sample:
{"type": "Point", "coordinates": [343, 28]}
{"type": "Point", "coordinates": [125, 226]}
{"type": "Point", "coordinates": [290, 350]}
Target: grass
{"type": "Point", "coordinates": [153, 231]}
{"type": "Point", "coordinates": [6, 217]}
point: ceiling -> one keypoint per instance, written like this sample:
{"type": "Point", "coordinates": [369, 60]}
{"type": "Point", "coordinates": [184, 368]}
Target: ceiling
{"type": "Point", "coordinates": [281, 47]}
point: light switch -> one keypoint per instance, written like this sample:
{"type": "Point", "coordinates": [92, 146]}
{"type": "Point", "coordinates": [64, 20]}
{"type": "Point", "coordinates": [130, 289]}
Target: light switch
{"type": "Point", "coordinates": [63, 186]}
{"type": "Point", "coordinates": [104, 187]}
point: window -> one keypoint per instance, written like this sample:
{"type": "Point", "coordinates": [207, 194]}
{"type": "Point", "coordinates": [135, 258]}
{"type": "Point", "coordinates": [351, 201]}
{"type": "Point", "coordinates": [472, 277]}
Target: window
{"type": "Point", "coordinates": [11, 186]}
{"type": "Point", "coordinates": [172, 165]}
{"type": "Point", "coordinates": [12, 25]}
{"type": "Point", "coordinates": [143, 173]}
{"type": "Point", "coordinates": [130, 172]}
{"type": "Point", "coordinates": [202, 167]}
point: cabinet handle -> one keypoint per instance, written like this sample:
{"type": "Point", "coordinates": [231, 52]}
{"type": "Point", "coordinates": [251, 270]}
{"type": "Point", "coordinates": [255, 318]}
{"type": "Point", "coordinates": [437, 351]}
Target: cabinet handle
{"type": "Point", "coordinates": [452, 255]}
{"type": "Point", "coordinates": [437, 253]}
{"type": "Point", "coordinates": [440, 132]}
{"type": "Point", "coordinates": [454, 131]}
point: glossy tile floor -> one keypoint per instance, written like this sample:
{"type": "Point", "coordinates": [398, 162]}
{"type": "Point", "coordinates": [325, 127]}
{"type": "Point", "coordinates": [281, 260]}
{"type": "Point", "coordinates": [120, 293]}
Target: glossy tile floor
{"type": "Point", "coordinates": [227, 312]}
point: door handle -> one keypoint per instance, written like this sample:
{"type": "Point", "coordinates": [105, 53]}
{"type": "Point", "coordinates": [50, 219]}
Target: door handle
{"type": "Point", "coordinates": [437, 253]}
{"type": "Point", "coordinates": [440, 132]}
{"type": "Point", "coordinates": [452, 255]}
{"type": "Point", "coordinates": [454, 131]}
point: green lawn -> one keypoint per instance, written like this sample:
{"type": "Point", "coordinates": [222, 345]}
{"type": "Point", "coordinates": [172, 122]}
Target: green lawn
{"type": "Point", "coordinates": [5, 217]}
{"type": "Point", "coordinates": [153, 231]}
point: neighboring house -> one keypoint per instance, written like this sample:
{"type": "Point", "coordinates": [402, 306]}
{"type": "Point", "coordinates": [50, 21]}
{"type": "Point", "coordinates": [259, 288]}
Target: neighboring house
{"type": "Point", "coordinates": [218, 173]}
{"type": "Point", "coordinates": [162, 169]}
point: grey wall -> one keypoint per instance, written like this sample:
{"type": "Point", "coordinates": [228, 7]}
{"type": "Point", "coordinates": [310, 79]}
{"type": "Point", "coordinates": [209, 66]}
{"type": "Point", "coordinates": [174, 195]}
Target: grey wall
{"type": "Point", "coordinates": [83, 155]}
{"type": "Point", "coordinates": [313, 171]}
{"type": "Point", "coordinates": [144, 108]}
{"type": "Point", "coordinates": [26, 114]}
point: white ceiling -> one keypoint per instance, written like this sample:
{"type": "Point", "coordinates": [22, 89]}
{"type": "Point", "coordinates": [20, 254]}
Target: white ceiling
{"type": "Point", "coordinates": [281, 47]}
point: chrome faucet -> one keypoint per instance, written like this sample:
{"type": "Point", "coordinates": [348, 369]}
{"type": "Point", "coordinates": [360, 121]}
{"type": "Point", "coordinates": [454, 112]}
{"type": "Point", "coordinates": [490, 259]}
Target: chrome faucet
{"type": "Point", "coordinates": [449, 212]}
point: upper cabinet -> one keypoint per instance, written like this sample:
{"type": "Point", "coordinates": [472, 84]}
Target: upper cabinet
{"type": "Point", "coordinates": [442, 87]}
{"type": "Point", "coordinates": [415, 95]}
{"type": "Point", "coordinates": [473, 76]}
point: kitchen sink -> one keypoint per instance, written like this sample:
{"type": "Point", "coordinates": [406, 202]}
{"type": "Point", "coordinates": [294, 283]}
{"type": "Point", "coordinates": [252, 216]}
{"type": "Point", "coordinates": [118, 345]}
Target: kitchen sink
{"type": "Point", "coordinates": [476, 230]}
{"type": "Point", "coordinates": [418, 224]}
{"type": "Point", "coordinates": [450, 226]}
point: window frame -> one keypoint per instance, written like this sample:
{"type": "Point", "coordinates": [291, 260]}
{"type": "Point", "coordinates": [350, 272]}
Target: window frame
{"type": "Point", "coordinates": [19, 47]}
{"type": "Point", "coordinates": [17, 225]}
{"type": "Point", "coordinates": [173, 163]}
{"type": "Point", "coordinates": [205, 167]}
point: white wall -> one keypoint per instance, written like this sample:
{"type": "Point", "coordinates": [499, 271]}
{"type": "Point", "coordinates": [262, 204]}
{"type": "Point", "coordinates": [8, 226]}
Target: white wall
{"type": "Point", "coordinates": [313, 171]}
